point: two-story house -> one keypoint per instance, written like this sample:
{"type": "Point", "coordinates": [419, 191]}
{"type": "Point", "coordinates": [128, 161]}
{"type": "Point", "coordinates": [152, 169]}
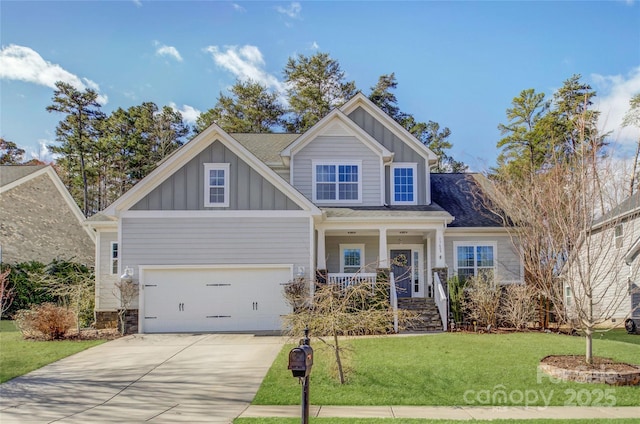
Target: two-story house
{"type": "Point", "coordinates": [216, 230]}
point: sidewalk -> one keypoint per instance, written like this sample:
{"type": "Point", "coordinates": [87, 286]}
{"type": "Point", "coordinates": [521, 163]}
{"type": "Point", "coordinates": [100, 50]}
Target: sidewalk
{"type": "Point", "coordinates": [444, 412]}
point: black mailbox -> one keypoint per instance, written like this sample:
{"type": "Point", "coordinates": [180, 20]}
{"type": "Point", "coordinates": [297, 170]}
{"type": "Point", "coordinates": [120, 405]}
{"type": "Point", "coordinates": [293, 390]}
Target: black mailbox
{"type": "Point", "coordinates": [301, 360]}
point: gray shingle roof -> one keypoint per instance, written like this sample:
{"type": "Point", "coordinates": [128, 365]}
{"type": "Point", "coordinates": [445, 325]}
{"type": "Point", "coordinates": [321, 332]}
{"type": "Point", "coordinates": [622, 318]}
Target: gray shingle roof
{"type": "Point", "coordinates": [11, 173]}
{"type": "Point", "coordinates": [629, 205]}
{"type": "Point", "coordinates": [386, 211]}
{"type": "Point", "coordinates": [266, 146]}
{"type": "Point", "coordinates": [455, 193]}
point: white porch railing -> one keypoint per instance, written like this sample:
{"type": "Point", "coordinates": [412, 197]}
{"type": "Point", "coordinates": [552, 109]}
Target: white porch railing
{"type": "Point", "coordinates": [442, 302]}
{"type": "Point", "coordinates": [394, 301]}
{"type": "Point", "coordinates": [344, 280]}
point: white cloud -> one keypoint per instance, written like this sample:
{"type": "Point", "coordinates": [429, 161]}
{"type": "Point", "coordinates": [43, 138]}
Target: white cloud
{"type": "Point", "coordinates": [315, 46]}
{"type": "Point", "coordinates": [614, 93]}
{"type": "Point", "coordinates": [43, 153]}
{"type": "Point", "coordinates": [293, 11]}
{"type": "Point", "coordinates": [238, 8]}
{"type": "Point", "coordinates": [245, 63]}
{"type": "Point", "coordinates": [25, 64]}
{"type": "Point", "coordinates": [189, 113]}
{"type": "Point", "coordinates": [138, 3]}
{"type": "Point", "coordinates": [163, 50]}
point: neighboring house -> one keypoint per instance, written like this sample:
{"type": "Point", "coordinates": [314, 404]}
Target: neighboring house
{"type": "Point", "coordinates": [616, 266]}
{"type": "Point", "coordinates": [215, 231]}
{"type": "Point", "coordinates": [39, 220]}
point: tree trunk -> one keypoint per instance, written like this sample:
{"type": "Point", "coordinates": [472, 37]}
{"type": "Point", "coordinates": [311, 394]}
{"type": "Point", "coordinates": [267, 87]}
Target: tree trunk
{"type": "Point", "coordinates": [589, 345]}
{"type": "Point", "coordinates": [338, 360]}
{"type": "Point", "coordinates": [635, 169]}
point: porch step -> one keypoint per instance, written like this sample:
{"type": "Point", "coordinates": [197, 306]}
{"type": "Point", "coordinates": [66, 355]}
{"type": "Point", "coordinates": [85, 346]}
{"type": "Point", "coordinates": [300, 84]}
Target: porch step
{"type": "Point", "coordinates": [428, 311]}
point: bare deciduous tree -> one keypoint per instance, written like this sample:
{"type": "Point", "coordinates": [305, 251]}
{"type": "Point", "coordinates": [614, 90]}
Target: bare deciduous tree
{"type": "Point", "coordinates": [556, 219]}
{"type": "Point", "coordinates": [125, 291]}
{"type": "Point", "coordinates": [355, 308]}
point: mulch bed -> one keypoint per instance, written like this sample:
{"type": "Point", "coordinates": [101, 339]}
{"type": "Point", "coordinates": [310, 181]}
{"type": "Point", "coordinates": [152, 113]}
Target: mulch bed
{"type": "Point", "coordinates": [576, 362]}
{"type": "Point", "coordinates": [93, 334]}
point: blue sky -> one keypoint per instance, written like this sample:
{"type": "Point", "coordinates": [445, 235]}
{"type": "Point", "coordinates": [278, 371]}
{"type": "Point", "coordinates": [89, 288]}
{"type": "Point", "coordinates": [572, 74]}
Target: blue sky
{"type": "Point", "coordinates": [456, 63]}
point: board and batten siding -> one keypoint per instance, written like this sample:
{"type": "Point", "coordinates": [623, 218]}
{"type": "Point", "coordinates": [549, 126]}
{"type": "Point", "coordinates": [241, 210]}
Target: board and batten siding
{"type": "Point", "coordinates": [507, 260]}
{"type": "Point", "coordinates": [106, 298]}
{"type": "Point", "coordinates": [402, 152]}
{"type": "Point", "coordinates": [184, 190]}
{"type": "Point", "coordinates": [325, 148]}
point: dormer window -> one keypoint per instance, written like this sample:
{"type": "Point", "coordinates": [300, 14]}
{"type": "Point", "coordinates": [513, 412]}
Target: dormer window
{"type": "Point", "coordinates": [216, 185]}
{"type": "Point", "coordinates": [403, 184]}
{"type": "Point", "coordinates": [335, 182]}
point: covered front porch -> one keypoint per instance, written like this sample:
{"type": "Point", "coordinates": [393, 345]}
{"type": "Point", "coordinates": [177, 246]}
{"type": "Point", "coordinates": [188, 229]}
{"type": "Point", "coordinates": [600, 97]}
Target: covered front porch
{"type": "Point", "coordinates": [406, 244]}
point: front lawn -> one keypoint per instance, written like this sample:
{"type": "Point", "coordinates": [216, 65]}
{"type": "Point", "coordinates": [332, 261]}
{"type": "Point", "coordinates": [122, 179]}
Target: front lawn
{"type": "Point", "coordinates": [452, 369]}
{"type": "Point", "coordinates": [417, 421]}
{"type": "Point", "coordinates": [619, 334]}
{"type": "Point", "coordinates": [19, 356]}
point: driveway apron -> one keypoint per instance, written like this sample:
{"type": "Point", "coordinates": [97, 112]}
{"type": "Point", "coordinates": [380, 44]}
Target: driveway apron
{"type": "Point", "coordinates": [158, 378]}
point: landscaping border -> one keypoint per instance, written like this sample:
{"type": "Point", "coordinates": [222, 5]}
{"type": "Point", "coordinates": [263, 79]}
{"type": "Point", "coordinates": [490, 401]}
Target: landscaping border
{"type": "Point", "coordinates": [630, 377]}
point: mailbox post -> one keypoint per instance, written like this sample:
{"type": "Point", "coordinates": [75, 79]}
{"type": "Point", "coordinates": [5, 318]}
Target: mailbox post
{"type": "Point", "coordinates": [300, 363]}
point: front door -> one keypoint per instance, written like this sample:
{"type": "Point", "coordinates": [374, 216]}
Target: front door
{"type": "Point", "coordinates": [401, 268]}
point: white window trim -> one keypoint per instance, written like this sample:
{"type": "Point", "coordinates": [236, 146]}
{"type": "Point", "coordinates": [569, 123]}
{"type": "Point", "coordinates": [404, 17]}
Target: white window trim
{"type": "Point", "coordinates": [314, 165]}
{"type": "Point", "coordinates": [618, 240]}
{"type": "Point", "coordinates": [114, 261]}
{"type": "Point", "coordinates": [343, 247]}
{"type": "Point", "coordinates": [475, 244]}
{"type": "Point", "coordinates": [207, 199]}
{"type": "Point", "coordinates": [392, 186]}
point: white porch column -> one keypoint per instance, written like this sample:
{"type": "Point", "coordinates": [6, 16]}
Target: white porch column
{"type": "Point", "coordinates": [440, 261]}
{"type": "Point", "coordinates": [383, 254]}
{"type": "Point", "coordinates": [321, 256]}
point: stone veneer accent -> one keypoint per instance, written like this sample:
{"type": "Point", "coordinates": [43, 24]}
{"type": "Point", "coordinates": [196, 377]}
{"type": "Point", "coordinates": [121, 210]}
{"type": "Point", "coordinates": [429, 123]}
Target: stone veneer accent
{"type": "Point", "coordinates": [109, 319]}
{"type": "Point", "coordinates": [613, 378]}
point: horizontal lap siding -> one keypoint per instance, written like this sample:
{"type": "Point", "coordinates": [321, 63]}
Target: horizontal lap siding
{"type": "Point", "coordinates": [508, 261]}
{"type": "Point", "coordinates": [105, 293]}
{"type": "Point", "coordinates": [349, 148]}
{"type": "Point", "coordinates": [213, 241]}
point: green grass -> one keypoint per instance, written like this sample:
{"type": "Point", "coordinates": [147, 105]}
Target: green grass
{"type": "Point", "coordinates": [19, 356]}
{"type": "Point", "coordinates": [452, 369]}
{"type": "Point", "coordinates": [421, 421]}
{"type": "Point", "coordinates": [619, 334]}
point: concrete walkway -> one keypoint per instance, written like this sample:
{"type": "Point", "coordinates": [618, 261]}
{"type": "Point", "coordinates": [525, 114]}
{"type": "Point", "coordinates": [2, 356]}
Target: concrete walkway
{"type": "Point", "coordinates": [446, 413]}
{"type": "Point", "coordinates": [159, 378]}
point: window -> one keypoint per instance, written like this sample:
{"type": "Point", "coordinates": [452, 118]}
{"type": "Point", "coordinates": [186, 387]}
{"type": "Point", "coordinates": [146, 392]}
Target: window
{"type": "Point", "coordinates": [351, 258]}
{"type": "Point", "coordinates": [474, 259]}
{"type": "Point", "coordinates": [403, 184]}
{"type": "Point", "coordinates": [114, 257]}
{"type": "Point", "coordinates": [618, 235]}
{"type": "Point", "coordinates": [568, 294]}
{"type": "Point", "coordinates": [337, 182]}
{"type": "Point", "coordinates": [216, 184]}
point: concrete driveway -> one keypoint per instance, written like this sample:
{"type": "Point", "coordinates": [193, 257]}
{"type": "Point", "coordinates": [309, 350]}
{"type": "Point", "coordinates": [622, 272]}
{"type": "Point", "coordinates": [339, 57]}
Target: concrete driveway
{"type": "Point", "coordinates": [159, 378]}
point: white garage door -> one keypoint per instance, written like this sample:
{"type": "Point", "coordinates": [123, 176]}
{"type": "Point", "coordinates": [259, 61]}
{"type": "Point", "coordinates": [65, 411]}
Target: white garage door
{"type": "Point", "coordinates": [213, 299]}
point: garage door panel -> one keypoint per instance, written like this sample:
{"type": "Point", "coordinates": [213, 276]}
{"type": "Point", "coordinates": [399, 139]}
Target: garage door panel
{"type": "Point", "coordinates": [217, 299]}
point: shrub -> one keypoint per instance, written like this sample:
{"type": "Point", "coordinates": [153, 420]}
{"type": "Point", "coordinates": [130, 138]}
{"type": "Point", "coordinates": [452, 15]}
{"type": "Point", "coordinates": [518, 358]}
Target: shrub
{"type": "Point", "coordinates": [483, 299]}
{"type": "Point", "coordinates": [456, 295]}
{"type": "Point", "coordinates": [518, 305]}
{"type": "Point", "coordinates": [27, 289]}
{"type": "Point", "coordinates": [46, 321]}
